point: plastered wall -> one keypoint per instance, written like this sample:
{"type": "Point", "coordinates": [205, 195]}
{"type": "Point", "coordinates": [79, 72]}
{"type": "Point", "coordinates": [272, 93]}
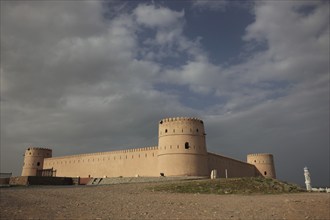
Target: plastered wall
{"type": "Point", "coordinates": [264, 164]}
{"type": "Point", "coordinates": [235, 168]}
{"type": "Point", "coordinates": [34, 160]}
{"type": "Point", "coordinates": [181, 151]}
{"type": "Point", "coordinates": [182, 148]}
{"type": "Point", "coordinates": [132, 162]}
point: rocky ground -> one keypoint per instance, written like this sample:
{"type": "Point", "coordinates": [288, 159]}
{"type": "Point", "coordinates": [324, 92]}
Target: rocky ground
{"type": "Point", "coordinates": [139, 201]}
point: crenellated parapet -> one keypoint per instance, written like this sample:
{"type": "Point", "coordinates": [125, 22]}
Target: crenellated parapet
{"type": "Point", "coordinates": [181, 151]}
{"type": "Point", "coordinates": [107, 153]}
{"type": "Point", "coordinates": [181, 126]}
{"type": "Point", "coordinates": [179, 119]}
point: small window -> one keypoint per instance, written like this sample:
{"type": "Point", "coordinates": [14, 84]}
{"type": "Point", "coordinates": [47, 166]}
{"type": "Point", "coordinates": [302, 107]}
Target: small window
{"type": "Point", "coordinates": [165, 130]}
{"type": "Point", "coordinates": [161, 122]}
{"type": "Point", "coordinates": [265, 173]}
{"type": "Point", "coordinates": [197, 130]}
{"type": "Point", "coordinates": [255, 161]}
{"type": "Point", "coordinates": [173, 130]}
{"type": "Point", "coordinates": [186, 145]}
{"type": "Point", "coordinates": [177, 146]}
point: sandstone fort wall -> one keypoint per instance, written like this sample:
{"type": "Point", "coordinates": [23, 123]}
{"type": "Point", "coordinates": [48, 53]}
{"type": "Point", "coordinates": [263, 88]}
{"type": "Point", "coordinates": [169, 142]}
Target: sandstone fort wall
{"type": "Point", "coordinates": [126, 163]}
{"type": "Point", "coordinates": [181, 151]}
{"type": "Point", "coordinates": [182, 147]}
{"type": "Point", "coordinates": [34, 160]}
{"type": "Point", "coordinates": [264, 163]}
{"type": "Point", "coordinates": [235, 168]}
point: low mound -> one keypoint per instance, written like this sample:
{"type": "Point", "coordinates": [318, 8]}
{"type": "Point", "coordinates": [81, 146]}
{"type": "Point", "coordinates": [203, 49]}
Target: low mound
{"type": "Point", "coordinates": [246, 185]}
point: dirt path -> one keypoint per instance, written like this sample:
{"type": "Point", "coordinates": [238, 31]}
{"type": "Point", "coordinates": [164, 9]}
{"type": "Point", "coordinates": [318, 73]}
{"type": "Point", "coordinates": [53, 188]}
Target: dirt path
{"type": "Point", "coordinates": [134, 201]}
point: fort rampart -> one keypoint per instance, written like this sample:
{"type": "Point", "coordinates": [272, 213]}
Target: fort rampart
{"type": "Point", "coordinates": [132, 162]}
{"type": "Point", "coordinates": [181, 151]}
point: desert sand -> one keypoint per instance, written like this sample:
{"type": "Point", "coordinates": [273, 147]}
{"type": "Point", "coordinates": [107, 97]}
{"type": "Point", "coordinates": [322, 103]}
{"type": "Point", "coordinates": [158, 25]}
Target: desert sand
{"type": "Point", "coordinates": [139, 201]}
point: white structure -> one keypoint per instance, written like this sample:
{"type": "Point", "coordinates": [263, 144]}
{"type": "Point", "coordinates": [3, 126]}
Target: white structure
{"type": "Point", "coordinates": [307, 179]}
{"type": "Point", "coordinates": [214, 174]}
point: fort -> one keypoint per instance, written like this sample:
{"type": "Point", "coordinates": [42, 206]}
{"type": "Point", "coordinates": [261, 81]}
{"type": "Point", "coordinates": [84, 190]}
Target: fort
{"type": "Point", "coordinates": [181, 151]}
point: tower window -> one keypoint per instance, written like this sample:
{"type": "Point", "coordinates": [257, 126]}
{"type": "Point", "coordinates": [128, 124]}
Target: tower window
{"type": "Point", "coordinates": [265, 173]}
{"type": "Point", "coordinates": [186, 145]}
{"type": "Point", "coordinates": [165, 130]}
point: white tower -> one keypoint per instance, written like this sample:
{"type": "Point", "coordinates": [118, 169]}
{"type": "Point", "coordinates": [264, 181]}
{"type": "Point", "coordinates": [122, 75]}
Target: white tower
{"type": "Point", "coordinates": [307, 179]}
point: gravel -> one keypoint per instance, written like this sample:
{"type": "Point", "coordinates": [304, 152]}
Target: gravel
{"type": "Point", "coordinates": [139, 201]}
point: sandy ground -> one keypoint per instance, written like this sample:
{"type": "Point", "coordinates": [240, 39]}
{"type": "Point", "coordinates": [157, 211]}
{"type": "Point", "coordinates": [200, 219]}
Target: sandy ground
{"type": "Point", "coordinates": [134, 201]}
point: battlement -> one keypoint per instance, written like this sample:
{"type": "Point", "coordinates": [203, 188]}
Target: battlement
{"type": "Point", "coordinates": [181, 151]}
{"type": "Point", "coordinates": [179, 119]}
{"type": "Point", "coordinates": [132, 150]}
{"type": "Point", "coordinates": [260, 154]}
{"type": "Point", "coordinates": [39, 148]}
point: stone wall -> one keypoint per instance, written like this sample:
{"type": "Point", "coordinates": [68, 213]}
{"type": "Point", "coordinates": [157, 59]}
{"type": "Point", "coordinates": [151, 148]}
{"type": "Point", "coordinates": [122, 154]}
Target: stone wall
{"type": "Point", "coordinates": [132, 162]}
{"type": "Point", "coordinates": [264, 163]}
{"type": "Point", "coordinates": [181, 147]}
{"type": "Point", "coordinates": [235, 168]}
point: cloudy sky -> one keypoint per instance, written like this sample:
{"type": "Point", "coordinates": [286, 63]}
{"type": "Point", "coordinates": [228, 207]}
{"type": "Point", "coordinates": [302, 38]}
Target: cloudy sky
{"type": "Point", "coordinates": [90, 76]}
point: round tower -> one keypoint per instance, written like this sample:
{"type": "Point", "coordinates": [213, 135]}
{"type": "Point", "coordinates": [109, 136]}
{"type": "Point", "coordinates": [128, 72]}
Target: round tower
{"type": "Point", "coordinates": [182, 147]}
{"type": "Point", "coordinates": [34, 160]}
{"type": "Point", "coordinates": [264, 163]}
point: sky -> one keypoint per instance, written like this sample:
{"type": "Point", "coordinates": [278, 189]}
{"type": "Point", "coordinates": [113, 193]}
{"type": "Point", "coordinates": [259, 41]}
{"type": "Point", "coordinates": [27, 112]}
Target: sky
{"type": "Point", "coordinates": [92, 76]}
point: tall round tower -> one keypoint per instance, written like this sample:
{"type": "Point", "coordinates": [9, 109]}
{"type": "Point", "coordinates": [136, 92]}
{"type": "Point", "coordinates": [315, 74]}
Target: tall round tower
{"type": "Point", "coordinates": [264, 164]}
{"type": "Point", "coordinates": [182, 147]}
{"type": "Point", "coordinates": [34, 160]}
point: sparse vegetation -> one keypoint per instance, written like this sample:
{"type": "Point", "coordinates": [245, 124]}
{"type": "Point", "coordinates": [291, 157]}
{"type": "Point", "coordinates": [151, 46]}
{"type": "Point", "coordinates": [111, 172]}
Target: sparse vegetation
{"type": "Point", "coordinates": [247, 185]}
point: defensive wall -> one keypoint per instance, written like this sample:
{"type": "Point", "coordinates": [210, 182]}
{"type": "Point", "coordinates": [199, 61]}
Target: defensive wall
{"type": "Point", "coordinates": [181, 151]}
{"type": "Point", "coordinates": [126, 163]}
{"type": "Point", "coordinates": [230, 167]}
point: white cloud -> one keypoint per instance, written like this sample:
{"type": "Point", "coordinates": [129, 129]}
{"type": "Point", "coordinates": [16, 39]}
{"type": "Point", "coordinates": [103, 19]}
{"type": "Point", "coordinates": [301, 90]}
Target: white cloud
{"type": "Point", "coordinates": [297, 45]}
{"type": "Point", "coordinates": [152, 16]}
{"type": "Point", "coordinates": [71, 77]}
